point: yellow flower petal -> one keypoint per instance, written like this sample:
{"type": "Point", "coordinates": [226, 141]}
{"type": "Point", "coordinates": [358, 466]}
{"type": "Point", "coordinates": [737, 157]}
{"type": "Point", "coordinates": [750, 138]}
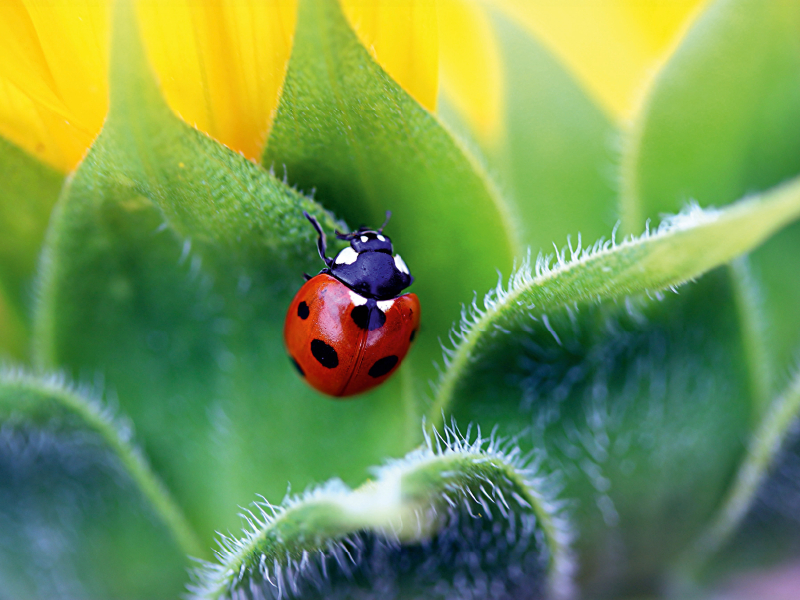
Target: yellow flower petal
{"type": "Point", "coordinates": [40, 131]}
{"type": "Point", "coordinates": [221, 64]}
{"type": "Point", "coordinates": [471, 66]}
{"type": "Point", "coordinates": [402, 35]}
{"type": "Point", "coordinates": [24, 63]}
{"type": "Point", "coordinates": [73, 36]}
{"type": "Point", "coordinates": [612, 46]}
{"type": "Point", "coordinates": [53, 94]}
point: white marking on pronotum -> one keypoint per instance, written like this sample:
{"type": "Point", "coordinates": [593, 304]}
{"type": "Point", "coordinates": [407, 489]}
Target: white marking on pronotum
{"type": "Point", "coordinates": [380, 237]}
{"type": "Point", "coordinates": [346, 257]}
{"type": "Point", "coordinates": [364, 239]}
{"type": "Point", "coordinates": [385, 305]}
{"type": "Point", "coordinates": [357, 299]}
{"type": "Point", "coordinates": [400, 264]}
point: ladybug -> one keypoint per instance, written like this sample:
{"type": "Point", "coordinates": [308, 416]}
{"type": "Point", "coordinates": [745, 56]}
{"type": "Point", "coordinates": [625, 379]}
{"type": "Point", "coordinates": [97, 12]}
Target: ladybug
{"type": "Point", "coordinates": [348, 328]}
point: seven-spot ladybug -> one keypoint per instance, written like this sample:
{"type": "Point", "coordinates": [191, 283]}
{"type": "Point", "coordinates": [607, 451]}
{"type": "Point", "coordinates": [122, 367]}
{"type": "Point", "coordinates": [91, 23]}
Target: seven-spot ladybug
{"type": "Point", "coordinates": [348, 328]}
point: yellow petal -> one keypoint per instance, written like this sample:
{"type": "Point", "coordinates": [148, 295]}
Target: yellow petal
{"type": "Point", "coordinates": [24, 63]}
{"type": "Point", "coordinates": [53, 92]}
{"type": "Point", "coordinates": [402, 36]}
{"type": "Point", "coordinates": [40, 131]}
{"type": "Point", "coordinates": [74, 38]}
{"type": "Point", "coordinates": [221, 64]}
{"type": "Point", "coordinates": [471, 67]}
{"type": "Point", "coordinates": [612, 46]}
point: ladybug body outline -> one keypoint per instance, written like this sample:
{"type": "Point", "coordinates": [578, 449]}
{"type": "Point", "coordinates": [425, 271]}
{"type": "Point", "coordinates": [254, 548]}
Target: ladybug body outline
{"type": "Point", "coordinates": [349, 327]}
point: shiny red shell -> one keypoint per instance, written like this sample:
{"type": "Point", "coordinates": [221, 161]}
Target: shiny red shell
{"type": "Point", "coordinates": [335, 354]}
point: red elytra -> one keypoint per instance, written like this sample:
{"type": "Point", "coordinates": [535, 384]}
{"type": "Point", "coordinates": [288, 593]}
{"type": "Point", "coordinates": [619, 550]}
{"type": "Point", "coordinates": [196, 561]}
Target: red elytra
{"type": "Point", "coordinates": [333, 350]}
{"type": "Point", "coordinates": [348, 328]}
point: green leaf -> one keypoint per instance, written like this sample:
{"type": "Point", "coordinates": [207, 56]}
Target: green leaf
{"type": "Point", "coordinates": [206, 193]}
{"type": "Point", "coordinates": [622, 394]}
{"type": "Point", "coordinates": [779, 297]}
{"type": "Point", "coordinates": [27, 195]}
{"type": "Point", "coordinates": [768, 534]}
{"type": "Point", "coordinates": [345, 129]}
{"type": "Point", "coordinates": [170, 264]}
{"type": "Point", "coordinates": [722, 120]}
{"type": "Point", "coordinates": [13, 333]}
{"type": "Point", "coordinates": [683, 248]}
{"type": "Point", "coordinates": [777, 427]}
{"type": "Point", "coordinates": [558, 156]}
{"type": "Point", "coordinates": [78, 501]}
{"type": "Point", "coordinates": [458, 517]}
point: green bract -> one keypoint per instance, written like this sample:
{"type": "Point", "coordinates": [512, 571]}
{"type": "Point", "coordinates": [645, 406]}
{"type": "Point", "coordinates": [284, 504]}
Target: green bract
{"type": "Point", "coordinates": [623, 399]}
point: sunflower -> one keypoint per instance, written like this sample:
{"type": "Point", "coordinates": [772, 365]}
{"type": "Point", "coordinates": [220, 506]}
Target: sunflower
{"type": "Point", "coordinates": [573, 429]}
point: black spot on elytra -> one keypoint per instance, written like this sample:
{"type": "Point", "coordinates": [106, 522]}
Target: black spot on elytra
{"type": "Point", "coordinates": [297, 366]}
{"type": "Point", "coordinates": [368, 319]}
{"type": "Point", "coordinates": [382, 366]}
{"type": "Point", "coordinates": [325, 354]}
{"type": "Point", "coordinates": [302, 310]}
{"type": "Point", "coordinates": [413, 335]}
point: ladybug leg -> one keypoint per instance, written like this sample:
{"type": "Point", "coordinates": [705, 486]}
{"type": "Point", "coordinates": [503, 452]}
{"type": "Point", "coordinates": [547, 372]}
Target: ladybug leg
{"type": "Point", "coordinates": [321, 245]}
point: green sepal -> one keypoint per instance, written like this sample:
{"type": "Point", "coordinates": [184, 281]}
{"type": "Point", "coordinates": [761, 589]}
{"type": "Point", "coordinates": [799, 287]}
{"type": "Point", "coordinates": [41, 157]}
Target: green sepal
{"type": "Point", "coordinates": [454, 516]}
{"type": "Point", "coordinates": [681, 249]}
{"type": "Point", "coordinates": [169, 264]}
{"type": "Point", "coordinates": [557, 150]}
{"type": "Point", "coordinates": [722, 120]}
{"type": "Point", "coordinates": [619, 393]}
{"type": "Point", "coordinates": [28, 192]}
{"type": "Point", "coordinates": [347, 130]}
{"type": "Point", "coordinates": [80, 507]}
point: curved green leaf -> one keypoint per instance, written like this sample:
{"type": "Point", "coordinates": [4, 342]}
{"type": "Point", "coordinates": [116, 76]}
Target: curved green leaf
{"type": "Point", "coordinates": [558, 153]}
{"type": "Point", "coordinates": [169, 265]}
{"type": "Point", "coordinates": [767, 535]}
{"type": "Point", "coordinates": [619, 393]}
{"type": "Point", "coordinates": [13, 333]}
{"type": "Point", "coordinates": [457, 517]}
{"type": "Point", "coordinates": [722, 120]}
{"type": "Point", "coordinates": [78, 500]}
{"type": "Point", "coordinates": [206, 192]}
{"type": "Point", "coordinates": [681, 249]}
{"type": "Point", "coordinates": [27, 194]}
{"type": "Point", "coordinates": [765, 445]}
{"type": "Point", "coordinates": [641, 407]}
{"type": "Point", "coordinates": [345, 129]}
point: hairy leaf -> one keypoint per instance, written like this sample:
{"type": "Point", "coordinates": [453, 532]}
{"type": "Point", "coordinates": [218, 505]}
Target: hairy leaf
{"type": "Point", "coordinates": [683, 248]}
{"type": "Point", "coordinates": [170, 262]}
{"type": "Point", "coordinates": [345, 129]}
{"type": "Point", "coordinates": [452, 519]}
{"type": "Point", "coordinates": [77, 500]}
{"type": "Point", "coordinates": [722, 120]}
{"type": "Point", "coordinates": [619, 392]}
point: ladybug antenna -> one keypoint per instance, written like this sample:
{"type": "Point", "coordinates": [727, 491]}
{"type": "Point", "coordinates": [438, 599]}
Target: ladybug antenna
{"type": "Point", "coordinates": [320, 239]}
{"type": "Point", "coordinates": [388, 216]}
{"type": "Point", "coordinates": [350, 236]}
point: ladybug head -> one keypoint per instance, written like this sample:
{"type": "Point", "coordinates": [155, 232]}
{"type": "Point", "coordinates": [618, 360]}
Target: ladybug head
{"type": "Point", "coordinates": [367, 266]}
{"type": "Point", "coordinates": [369, 240]}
